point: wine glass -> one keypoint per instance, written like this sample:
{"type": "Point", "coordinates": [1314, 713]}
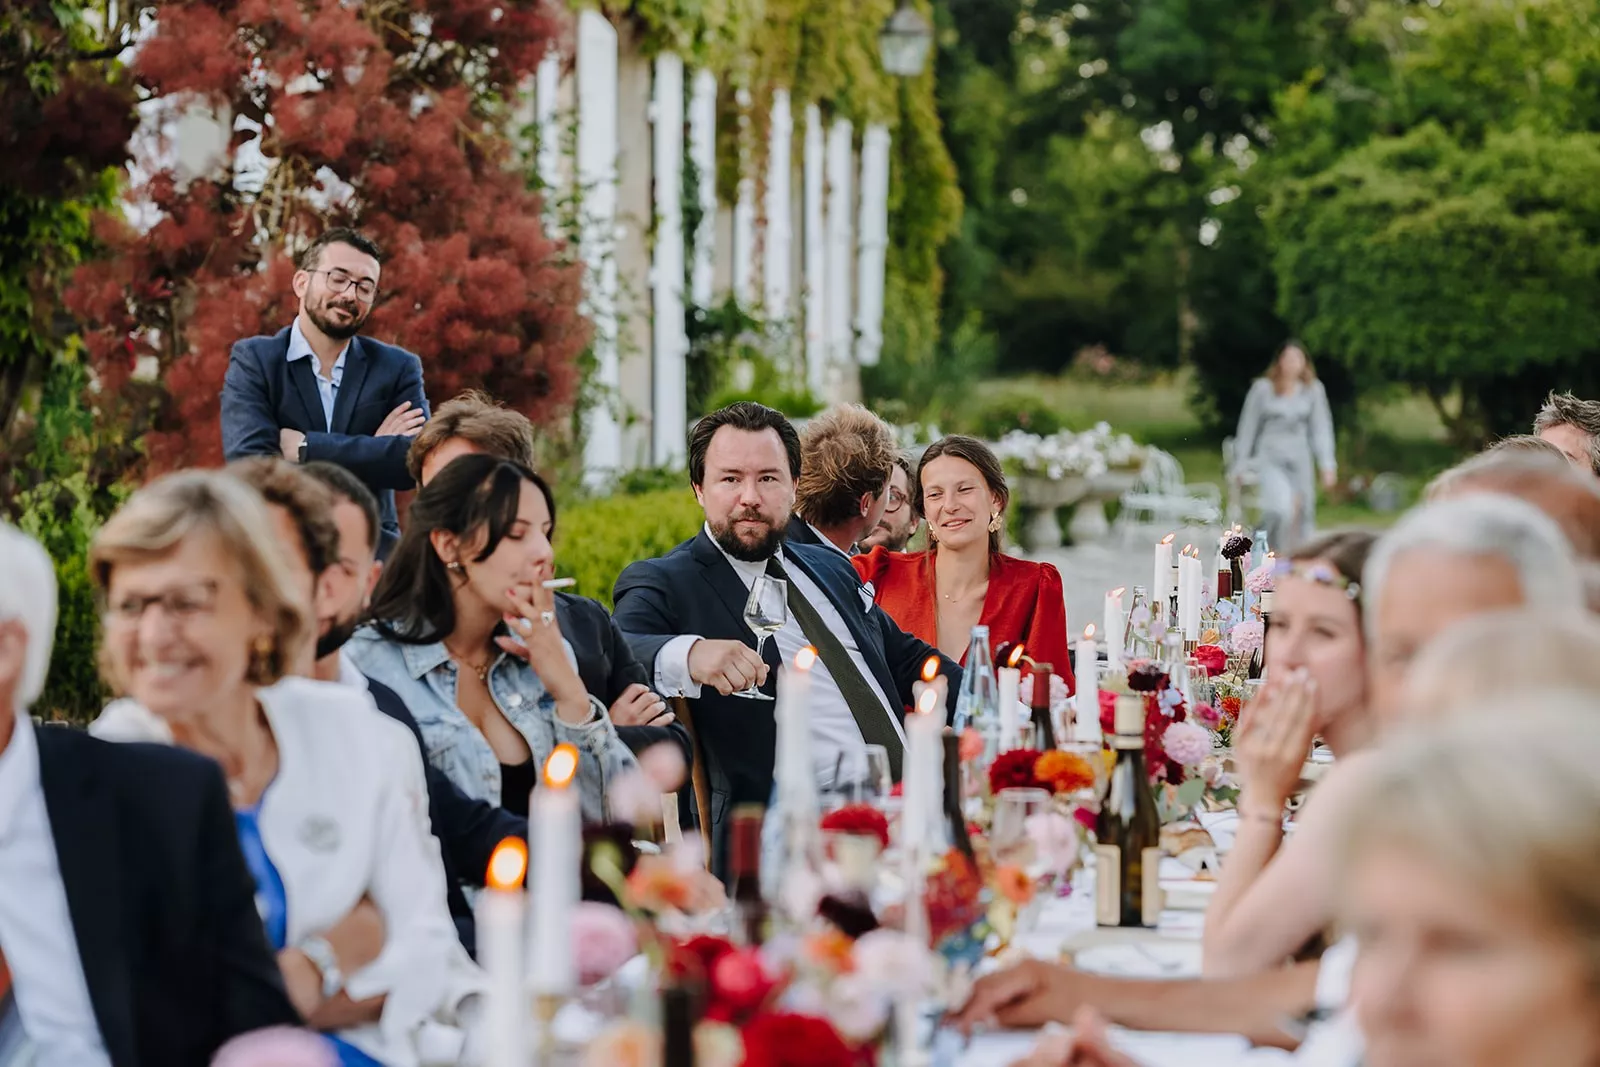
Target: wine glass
{"type": "Point", "coordinates": [765, 612]}
{"type": "Point", "coordinates": [879, 781]}
{"type": "Point", "coordinates": [1008, 834]}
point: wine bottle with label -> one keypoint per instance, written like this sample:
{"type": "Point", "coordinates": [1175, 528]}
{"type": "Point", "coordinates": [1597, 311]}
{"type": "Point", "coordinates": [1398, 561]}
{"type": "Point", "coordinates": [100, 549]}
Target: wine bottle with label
{"type": "Point", "coordinates": [749, 907]}
{"type": "Point", "coordinates": [1044, 727]}
{"type": "Point", "coordinates": [1127, 866]}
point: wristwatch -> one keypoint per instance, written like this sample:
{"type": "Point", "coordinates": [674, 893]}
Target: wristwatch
{"type": "Point", "coordinates": [300, 457]}
{"type": "Point", "coordinates": [320, 953]}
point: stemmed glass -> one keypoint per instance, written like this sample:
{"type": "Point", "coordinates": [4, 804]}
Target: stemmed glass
{"type": "Point", "coordinates": [765, 612]}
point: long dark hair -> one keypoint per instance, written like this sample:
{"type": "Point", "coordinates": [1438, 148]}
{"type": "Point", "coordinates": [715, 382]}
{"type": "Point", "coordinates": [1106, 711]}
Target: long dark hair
{"type": "Point", "coordinates": [415, 599]}
{"type": "Point", "coordinates": [980, 455]}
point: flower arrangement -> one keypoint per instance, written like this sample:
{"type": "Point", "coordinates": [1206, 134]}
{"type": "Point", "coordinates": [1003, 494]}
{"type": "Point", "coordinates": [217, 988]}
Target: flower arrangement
{"type": "Point", "coordinates": [1088, 454]}
{"type": "Point", "coordinates": [1063, 773]}
{"type": "Point", "coordinates": [1259, 580]}
{"type": "Point", "coordinates": [1014, 770]}
{"type": "Point", "coordinates": [861, 819]}
{"type": "Point", "coordinates": [1247, 638]}
{"type": "Point", "coordinates": [1060, 697]}
{"type": "Point", "coordinates": [1213, 658]}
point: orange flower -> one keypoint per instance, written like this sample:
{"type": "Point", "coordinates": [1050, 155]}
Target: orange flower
{"type": "Point", "coordinates": [1012, 883]}
{"type": "Point", "coordinates": [1064, 772]}
{"type": "Point", "coordinates": [657, 886]}
{"type": "Point", "coordinates": [830, 950]}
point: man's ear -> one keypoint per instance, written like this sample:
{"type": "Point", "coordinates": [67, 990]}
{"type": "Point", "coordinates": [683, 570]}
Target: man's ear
{"type": "Point", "coordinates": [13, 654]}
{"type": "Point", "coordinates": [302, 282]}
{"type": "Point", "coordinates": [372, 582]}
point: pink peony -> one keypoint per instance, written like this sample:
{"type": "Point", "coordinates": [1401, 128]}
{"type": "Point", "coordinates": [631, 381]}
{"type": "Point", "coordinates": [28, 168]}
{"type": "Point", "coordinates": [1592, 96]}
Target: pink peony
{"type": "Point", "coordinates": [1055, 839]}
{"type": "Point", "coordinates": [603, 939]}
{"type": "Point", "coordinates": [1247, 637]}
{"type": "Point", "coordinates": [1259, 580]}
{"type": "Point", "coordinates": [1208, 716]}
{"type": "Point", "coordinates": [1186, 743]}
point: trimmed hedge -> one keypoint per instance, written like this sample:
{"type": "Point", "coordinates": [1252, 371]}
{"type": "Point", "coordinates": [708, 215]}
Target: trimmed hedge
{"type": "Point", "coordinates": [596, 539]}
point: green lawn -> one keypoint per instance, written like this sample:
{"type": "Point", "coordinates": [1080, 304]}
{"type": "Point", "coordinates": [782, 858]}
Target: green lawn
{"type": "Point", "coordinates": [1400, 434]}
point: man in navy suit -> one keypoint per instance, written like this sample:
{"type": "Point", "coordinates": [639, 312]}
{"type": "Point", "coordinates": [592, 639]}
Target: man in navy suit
{"type": "Point", "coordinates": [684, 616]}
{"type": "Point", "coordinates": [315, 390]}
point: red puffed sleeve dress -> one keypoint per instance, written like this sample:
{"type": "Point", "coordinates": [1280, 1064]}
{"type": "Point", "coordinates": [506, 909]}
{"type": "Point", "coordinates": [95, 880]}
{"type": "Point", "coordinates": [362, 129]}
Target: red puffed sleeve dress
{"type": "Point", "coordinates": [1025, 602]}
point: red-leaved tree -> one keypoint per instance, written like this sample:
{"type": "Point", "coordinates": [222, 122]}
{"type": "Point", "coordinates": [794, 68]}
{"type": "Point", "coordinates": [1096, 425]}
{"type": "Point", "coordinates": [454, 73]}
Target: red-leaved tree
{"type": "Point", "coordinates": [388, 115]}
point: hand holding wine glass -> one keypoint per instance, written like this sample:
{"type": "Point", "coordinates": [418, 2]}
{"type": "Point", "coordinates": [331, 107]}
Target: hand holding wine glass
{"type": "Point", "coordinates": [765, 612]}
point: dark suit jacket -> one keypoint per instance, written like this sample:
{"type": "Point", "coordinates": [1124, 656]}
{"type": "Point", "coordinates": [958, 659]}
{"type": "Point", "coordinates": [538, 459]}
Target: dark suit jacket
{"type": "Point", "coordinates": [799, 532]}
{"type": "Point", "coordinates": [608, 666]}
{"type": "Point", "coordinates": [694, 590]}
{"type": "Point", "coordinates": [264, 393]}
{"type": "Point", "coordinates": [162, 904]}
{"type": "Point", "coordinates": [468, 829]}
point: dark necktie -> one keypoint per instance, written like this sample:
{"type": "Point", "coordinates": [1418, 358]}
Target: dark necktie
{"type": "Point", "coordinates": [872, 718]}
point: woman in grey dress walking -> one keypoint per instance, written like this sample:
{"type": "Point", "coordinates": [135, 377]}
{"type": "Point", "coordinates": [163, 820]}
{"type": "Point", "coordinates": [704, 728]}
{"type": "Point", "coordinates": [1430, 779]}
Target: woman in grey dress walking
{"type": "Point", "coordinates": [1285, 436]}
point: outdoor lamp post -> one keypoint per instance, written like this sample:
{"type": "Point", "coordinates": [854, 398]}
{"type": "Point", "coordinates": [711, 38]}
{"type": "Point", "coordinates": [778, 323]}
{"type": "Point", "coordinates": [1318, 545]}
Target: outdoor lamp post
{"type": "Point", "coordinates": [905, 41]}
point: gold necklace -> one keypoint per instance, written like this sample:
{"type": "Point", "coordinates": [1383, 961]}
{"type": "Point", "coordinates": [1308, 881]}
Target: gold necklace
{"type": "Point", "coordinates": [461, 661]}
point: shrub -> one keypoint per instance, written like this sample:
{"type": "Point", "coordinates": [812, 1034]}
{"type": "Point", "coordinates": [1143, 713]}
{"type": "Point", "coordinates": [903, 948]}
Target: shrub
{"type": "Point", "coordinates": [596, 539]}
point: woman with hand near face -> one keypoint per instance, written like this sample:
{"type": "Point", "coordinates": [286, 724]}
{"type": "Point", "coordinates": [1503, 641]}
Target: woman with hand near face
{"type": "Point", "coordinates": [963, 579]}
{"type": "Point", "coordinates": [465, 631]}
{"type": "Point", "coordinates": [1272, 898]}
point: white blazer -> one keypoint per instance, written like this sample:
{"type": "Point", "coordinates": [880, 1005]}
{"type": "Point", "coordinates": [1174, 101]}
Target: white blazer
{"type": "Point", "coordinates": [347, 817]}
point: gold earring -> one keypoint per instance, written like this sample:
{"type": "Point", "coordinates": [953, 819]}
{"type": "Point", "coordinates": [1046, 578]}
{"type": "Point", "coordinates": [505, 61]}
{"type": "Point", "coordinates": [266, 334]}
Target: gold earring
{"type": "Point", "coordinates": [453, 565]}
{"type": "Point", "coordinates": [263, 654]}
{"type": "Point", "coordinates": [994, 523]}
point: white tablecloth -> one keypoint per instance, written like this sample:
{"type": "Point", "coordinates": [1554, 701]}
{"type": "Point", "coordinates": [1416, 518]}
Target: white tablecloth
{"type": "Point", "coordinates": [1067, 928]}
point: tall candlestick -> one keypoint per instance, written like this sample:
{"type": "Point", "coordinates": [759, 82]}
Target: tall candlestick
{"type": "Point", "coordinates": [1010, 677]}
{"type": "Point", "coordinates": [797, 778]}
{"type": "Point", "coordinates": [501, 910]}
{"type": "Point", "coordinates": [923, 777]}
{"type": "Point", "coordinates": [1086, 721]}
{"type": "Point", "coordinates": [555, 830]}
{"type": "Point", "coordinates": [1116, 624]}
{"type": "Point", "coordinates": [1161, 585]}
{"type": "Point", "coordinates": [1189, 594]}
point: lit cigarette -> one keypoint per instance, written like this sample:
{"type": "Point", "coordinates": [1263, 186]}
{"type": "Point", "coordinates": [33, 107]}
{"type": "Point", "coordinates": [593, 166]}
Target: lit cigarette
{"type": "Point", "coordinates": [560, 583]}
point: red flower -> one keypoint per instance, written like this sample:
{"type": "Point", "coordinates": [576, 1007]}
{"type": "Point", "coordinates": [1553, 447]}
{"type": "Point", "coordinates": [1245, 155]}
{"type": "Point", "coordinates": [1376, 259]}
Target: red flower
{"type": "Point", "coordinates": [1086, 818]}
{"type": "Point", "coordinates": [783, 1040]}
{"type": "Point", "coordinates": [954, 896]}
{"type": "Point", "coordinates": [740, 985]}
{"type": "Point", "coordinates": [1108, 711]}
{"type": "Point", "coordinates": [1231, 706]}
{"type": "Point", "coordinates": [694, 958]}
{"type": "Point", "coordinates": [1014, 770]}
{"type": "Point", "coordinates": [1212, 658]}
{"type": "Point", "coordinates": [862, 819]}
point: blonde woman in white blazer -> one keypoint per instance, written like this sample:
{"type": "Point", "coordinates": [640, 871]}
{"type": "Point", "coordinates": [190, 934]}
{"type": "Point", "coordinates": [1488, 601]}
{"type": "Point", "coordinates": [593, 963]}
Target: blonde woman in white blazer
{"type": "Point", "coordinates": [207, 611]}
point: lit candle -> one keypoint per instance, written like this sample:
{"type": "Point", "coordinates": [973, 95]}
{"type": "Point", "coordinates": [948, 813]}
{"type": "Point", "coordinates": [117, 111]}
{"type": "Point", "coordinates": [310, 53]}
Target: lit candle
{"type": "Point", "coordinates": [500, 914]}
{"type": "Point", "coordinates": [1116, 621]}
{"type": "Point", "coordinates": [797, 778]}
{"type": "Point", "coordinates": [931, 678]}
{"type": "Point", "coordinates": [1161, 585]}
{"type": "Point", "coordinates": [555, 830]}
{"type": "Point", "coordinates": [1086, 721]}
{"type": "Point", "coordinates": [1189, 593]}
{"type": "Point", "coordinates": [1010, 681]}
{"type": "Point", "coordinates": [918, 823]}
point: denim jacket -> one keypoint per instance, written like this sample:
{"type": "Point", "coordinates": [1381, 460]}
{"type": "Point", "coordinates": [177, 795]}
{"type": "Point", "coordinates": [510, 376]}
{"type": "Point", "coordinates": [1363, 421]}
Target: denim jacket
{"type": "Point", "coordinates": [425, 678]}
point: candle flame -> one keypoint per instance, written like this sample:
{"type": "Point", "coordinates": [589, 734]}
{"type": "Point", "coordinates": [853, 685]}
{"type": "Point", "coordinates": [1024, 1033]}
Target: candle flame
{"type": "Point", "coordinates": [1015, 657]}
{"type": "Point", "coordinates": [507, 864]}
{"type": "Point", "coordinates": [930, 668]}
{"type": "Point", "coordinates": [1171, 537]}
{"type": "Point", "coordinates": [805, 659]}
{"type": "Point", "coordinates": [1088, 632]}
{"type": "Point", "coordinates": [1118, 591]}
{"type": "Point", "coordinates": [561, 767]}
{"type": "Point", "coordinates": [927, 701]}
{"type": "Point", "coordinates": [1186, 550]}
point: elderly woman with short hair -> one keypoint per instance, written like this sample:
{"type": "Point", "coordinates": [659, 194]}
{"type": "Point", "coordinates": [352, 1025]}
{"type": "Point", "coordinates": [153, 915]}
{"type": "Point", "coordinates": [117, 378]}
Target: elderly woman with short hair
{"type": "Point", "coordinates": [328, 795]}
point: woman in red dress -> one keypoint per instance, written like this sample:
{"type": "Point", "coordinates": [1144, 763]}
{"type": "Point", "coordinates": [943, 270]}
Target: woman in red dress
{"type": "Point", "coordinates": [963, 580]}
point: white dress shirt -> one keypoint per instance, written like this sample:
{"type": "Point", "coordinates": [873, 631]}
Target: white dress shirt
{"type": "Point", "coordinates": [36, 931]}
{"type": "Point", "coordinates": [833, 728]}
{"type": "Point", "coordinates": [327, 387]}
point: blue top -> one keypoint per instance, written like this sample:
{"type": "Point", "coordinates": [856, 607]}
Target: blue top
{"type": "Point", "coordinates": [273, 904]}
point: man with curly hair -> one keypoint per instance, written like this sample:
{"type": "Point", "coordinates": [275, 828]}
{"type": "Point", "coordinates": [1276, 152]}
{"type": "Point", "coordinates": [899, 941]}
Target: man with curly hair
{"type": "Point", "coordinates": [1572, 425]}
{"type": "Point", "coordinates": [847, 454]}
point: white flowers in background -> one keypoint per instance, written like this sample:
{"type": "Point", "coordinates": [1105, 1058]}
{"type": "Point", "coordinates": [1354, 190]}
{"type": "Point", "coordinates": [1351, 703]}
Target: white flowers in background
{"type": "Point", "coordinates": [916, 434]}
{"type": "Point", "coordinates": [1086, 455]}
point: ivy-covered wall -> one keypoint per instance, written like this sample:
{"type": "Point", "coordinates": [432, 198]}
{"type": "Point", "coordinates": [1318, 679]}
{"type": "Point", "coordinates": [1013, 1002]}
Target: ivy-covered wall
{"type": "Point", "coordinates": [825, 52]}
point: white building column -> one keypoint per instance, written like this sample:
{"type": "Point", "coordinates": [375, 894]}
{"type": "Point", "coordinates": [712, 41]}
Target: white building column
{"type": "Point", "coordinates": [816, 251]}
{"type": "Point", "coordinates": [597, 180]}
{"type": "Point", "coordinates": [841, 253]}
{"type": "Point", "coordinates": [777, 279]}
{"type": "Point", "coordinates": [703, 151]}
{"type": "Point", "coordinates": [546, 106]}
{"type": "Point", "coordinates": [670, 342]}
{"type": "Point", "coordinates": [873, 241]}
{"type": "Point", "coordinates": [744, 214]}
